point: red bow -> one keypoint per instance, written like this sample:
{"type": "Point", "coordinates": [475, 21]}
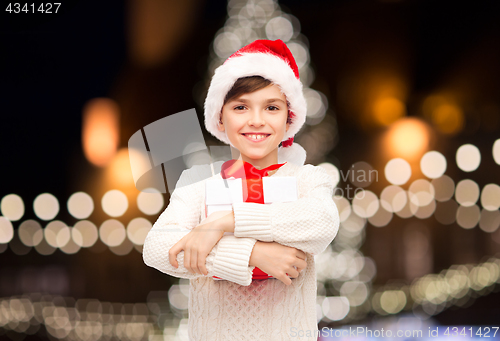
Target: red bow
{"type": "Point", "coordinates": [251, 178]}
{"type": "Point", "coordinates": [245, 170]}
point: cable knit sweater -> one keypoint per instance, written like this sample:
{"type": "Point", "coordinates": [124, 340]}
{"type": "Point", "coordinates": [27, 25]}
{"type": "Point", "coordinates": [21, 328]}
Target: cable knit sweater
{"type": "Point", "coordinates": [238, 308]}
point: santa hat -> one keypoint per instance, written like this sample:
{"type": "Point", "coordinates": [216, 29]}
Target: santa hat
{"type": "Point", "coordinates": [273, 61]}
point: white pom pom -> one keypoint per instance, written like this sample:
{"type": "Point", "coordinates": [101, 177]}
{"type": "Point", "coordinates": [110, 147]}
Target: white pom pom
{"type": "Point", "coordinates": [294, 154]}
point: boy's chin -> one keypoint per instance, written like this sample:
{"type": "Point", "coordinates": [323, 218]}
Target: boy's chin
{"type": "Point", "coordinates": [256, 156]}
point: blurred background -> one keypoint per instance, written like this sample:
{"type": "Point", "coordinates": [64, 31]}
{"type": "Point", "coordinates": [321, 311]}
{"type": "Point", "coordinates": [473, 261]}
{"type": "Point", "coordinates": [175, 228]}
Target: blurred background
{"type": "Point", "coordinates": [403, 111]}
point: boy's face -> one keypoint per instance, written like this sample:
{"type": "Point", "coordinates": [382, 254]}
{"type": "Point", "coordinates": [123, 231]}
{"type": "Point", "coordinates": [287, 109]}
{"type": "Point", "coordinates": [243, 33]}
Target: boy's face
{"type": "Point", "coordinates": [264, 111]}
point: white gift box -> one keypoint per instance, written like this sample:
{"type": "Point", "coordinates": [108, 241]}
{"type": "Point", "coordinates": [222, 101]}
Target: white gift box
{"type": "Point", "coordinates": [218, 197]}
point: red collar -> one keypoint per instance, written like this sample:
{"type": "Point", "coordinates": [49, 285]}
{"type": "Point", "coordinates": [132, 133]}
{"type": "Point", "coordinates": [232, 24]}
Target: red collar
{"type": "Point", "coordinates": [245, 170]}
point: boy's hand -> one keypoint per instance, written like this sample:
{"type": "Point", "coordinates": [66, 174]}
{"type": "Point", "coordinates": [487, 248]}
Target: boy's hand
{"type": "Point", "coordinates": [198, 243]}
{"type": "Point", "coordinates": [278, 260]}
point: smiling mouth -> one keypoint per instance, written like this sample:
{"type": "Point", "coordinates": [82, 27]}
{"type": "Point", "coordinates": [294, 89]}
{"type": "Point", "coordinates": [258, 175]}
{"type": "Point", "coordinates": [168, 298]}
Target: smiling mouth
{"type": "Point", "coordinates": [256, 137]}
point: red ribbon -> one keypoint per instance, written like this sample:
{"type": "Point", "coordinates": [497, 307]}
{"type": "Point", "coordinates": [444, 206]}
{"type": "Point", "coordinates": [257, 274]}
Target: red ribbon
{"type": "Point", "coordinates": [252, 187]}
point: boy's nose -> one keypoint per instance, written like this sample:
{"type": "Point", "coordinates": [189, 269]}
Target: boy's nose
{"type": "Point", "coordinates": [256, 119]}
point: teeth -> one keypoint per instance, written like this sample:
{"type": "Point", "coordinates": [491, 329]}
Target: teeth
{"type": "Point", "coordinates": [257, 137]}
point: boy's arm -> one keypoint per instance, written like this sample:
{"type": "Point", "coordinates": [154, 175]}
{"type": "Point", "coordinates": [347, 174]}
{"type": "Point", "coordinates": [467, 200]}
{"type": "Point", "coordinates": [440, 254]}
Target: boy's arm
{"type": "Point", "coordinates": [229, 259]}
{"type": "Point", "coordinates": [308, 224]}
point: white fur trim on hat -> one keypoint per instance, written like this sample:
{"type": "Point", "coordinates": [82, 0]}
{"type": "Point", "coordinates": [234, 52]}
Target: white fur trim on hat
{"type": "Point", "coordinates": [248, 64]}
{"type": "Point", "coordinates": [295, 154]}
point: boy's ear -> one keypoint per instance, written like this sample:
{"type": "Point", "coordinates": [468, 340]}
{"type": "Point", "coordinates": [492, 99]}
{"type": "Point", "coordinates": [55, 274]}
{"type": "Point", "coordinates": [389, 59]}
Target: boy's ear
{"type": "Point", "coordinates": [287, 126]}
{"type": "Point", "coordinates": [220, 125]}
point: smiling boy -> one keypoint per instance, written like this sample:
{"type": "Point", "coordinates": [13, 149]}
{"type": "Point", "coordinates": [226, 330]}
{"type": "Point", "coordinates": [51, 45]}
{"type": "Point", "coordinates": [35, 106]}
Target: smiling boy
{"type": "Point", "coordinates": [254, 103]}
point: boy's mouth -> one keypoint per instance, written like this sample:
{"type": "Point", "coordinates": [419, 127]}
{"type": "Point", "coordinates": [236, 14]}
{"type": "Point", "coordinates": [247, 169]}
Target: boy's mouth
{"type": "Point", "coordinates": [256, 137]}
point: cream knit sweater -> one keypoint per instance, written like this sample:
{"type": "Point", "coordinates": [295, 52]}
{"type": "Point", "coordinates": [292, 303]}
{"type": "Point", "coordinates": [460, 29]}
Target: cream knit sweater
{"type": "Point", "coordinates": [238, 308]}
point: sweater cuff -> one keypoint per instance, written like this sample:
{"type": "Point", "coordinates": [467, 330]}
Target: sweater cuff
{"type": "Point", "coordinates": [252, 220]}
{"type": "Point", "coordinates": [232, 258]}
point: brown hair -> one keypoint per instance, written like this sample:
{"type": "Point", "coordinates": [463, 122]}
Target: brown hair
{"type": "Point", "coordinates": [251, 84]}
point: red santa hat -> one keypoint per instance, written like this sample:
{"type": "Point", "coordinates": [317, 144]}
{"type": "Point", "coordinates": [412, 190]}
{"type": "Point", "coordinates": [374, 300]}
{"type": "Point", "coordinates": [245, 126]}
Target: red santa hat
{"type": "Point", "coordinates": [273, 61]}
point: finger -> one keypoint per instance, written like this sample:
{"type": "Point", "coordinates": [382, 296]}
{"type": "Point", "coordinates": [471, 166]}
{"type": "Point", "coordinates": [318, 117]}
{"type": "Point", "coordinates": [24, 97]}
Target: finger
{"type": "Point", "coordinates": [201, 264]}
{"type": "Point", "coordinates": [187, 260]}
{"type": "Point", "coordinates": [292, 273]}
{"type": "Point", "coordinates": [172, 254]}
{"type": "Point", "coordinates": [301, 254]}
{"type": "Point", "coordinates": [285, 279]}
{"type": "Point", "coordinates": [194, 261]}
{"type": "Point", "coordinates": [300, 265]}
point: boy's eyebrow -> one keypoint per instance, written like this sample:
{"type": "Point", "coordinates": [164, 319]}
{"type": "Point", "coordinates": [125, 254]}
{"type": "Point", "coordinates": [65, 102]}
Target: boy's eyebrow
{"type": "Point", "coordinates": [267, 101]}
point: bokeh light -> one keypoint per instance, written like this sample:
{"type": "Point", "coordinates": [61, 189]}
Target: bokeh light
{"type": "Point", "coordinates": [468, 157]}
{"type": "Point", "coordinates": [316, 107]}
{"type": "Point", "coordinates": [381, 218]}
{"type": "Point", "coordinates": [12, 207]}
{"type": "Point", "coordinates": [112, 232]}
{"type": "Point", "coordinates": [355, 291]}
{"type": "Point", "coordinates": [393, 198]}
{"type": "Point", "coordinates": [424, 212]}
{"type": "Point", "coordinates": [496, 151]}
{"type": "Point", "coordinates": [393, 301]}
{"type": "Point", "coordinates": [433, 164]}
{"type": "Point", "coordinates": [70, 247]}
{"type": "Point", "coordinates": [408, 209]}
{"type": "Point", "coordinates": [387, 110]}
{"type": "Point", "coordinates": [365, 203]}
{"type": "Point", "coordinates": [46, 206]}
{"type": "Point", "coordinates": [362, 174]}
{"type": "Point", "coordinates": [490, 220]}
{"type": "Point", "coordinates": [123, 249]}
{"type": "Point", "coordinates": [114, 203]}
{"type": "Point", "coordinates": [178, 297]}
{"type": "Point", "coordinates": [119, 171]}
{"type": "Point", "coordinates": [80, 205]}
{"type": "Point", "coordinates": [100, 130]}
{"type": "Point", "coordinates": [444, 188]}
{"type": "Point", "coordinates": [44, 248]}
{"type": "Point", "coordinates": [467, 192]}
{"type": "Point", "coordinates": [84, 233]}
{"type": "Point", "coordinates": [490, 197]}
{"type": "Point", "coordinates": [279, 28]}
{"type": "Point", "coordinates": [300, 53]}
{"type": "Point", "coordinates": [335, 308]}
{"type": "Point", "coordinates": [343, 207]}
{"type": "Point", "coordinates": [421, 192]}
{"type": "Point", "coordinates": [30, 233]}
{"type": "Point", "coordinates": [57, 234]}
{"type": "Point", "coordinates": [138, 229]}
{"type": "Point", "coordinates": [408, 137]}
{"type": "Point", "coordinates": [397, 171]}
{"type": "Point", "coordinates": [448, 118]}
{"type": "Point", "coordinates": [468, 216]}
{"type": "Point", "coordinates": [150, 201]}
{"type": "Point", "coordinates": [6, 230]}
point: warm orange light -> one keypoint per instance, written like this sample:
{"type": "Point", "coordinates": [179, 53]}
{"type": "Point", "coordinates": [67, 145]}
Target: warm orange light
{"type": "Point", "coordinates": [387, 110]}
{"type": "Point", "coordinates": [100, 130]}
{"type": "Point", "coordinates": [448, 119]}
{"type": "Point", "coordinates": [444, 113]}
{"type": "Point", "coordinates": [119, 173]}
{"type": "Point", "coordinates": [408, 138]}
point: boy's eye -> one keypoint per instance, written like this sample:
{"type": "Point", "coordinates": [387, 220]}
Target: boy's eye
{"type": "Point", "coordinates": [239, 107]}
{"type": "Point", "coordinates": [273, 108]}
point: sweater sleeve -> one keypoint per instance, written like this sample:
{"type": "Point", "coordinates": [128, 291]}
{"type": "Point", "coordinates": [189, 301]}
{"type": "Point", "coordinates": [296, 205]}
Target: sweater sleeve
{"type": "Point", "coordinates": [228, 259]}
{"type": "Point", "coordinates": [308, 224]}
